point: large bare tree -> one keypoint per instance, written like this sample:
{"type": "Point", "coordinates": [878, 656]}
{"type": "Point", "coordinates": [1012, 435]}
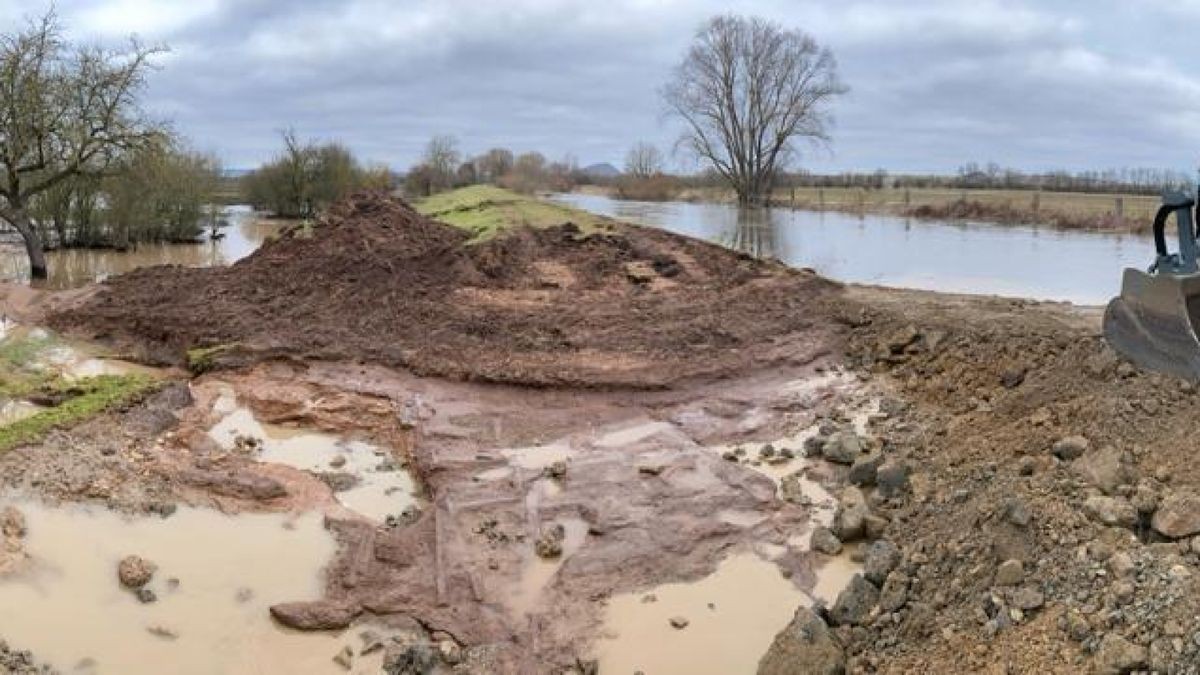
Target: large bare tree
{"type": "Point", "coordinates": [746, 92]}
{"type": "Point", "coordinates": [65, 111]}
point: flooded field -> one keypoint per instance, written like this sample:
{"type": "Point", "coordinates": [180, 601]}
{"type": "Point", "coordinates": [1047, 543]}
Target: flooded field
{"type": "Point", "coordinates": [71, 268]}
{"type": "Point", "coordinates": [1028, 262]}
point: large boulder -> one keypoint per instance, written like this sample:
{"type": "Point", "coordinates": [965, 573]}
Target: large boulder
{"type": "Point", "coordinates": [806, 646]}
{"type": "Point", "coordinates": [849, 522]}
{"type": "Point", "coordinates": [879, 560]}
{"type": "Point", "coordinates": [1178, 515]}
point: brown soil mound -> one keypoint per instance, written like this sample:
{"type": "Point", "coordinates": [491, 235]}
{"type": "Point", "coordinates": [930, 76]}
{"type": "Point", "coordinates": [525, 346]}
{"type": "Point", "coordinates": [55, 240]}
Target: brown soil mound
{"type": "Point", "coordinates": [376, 281]}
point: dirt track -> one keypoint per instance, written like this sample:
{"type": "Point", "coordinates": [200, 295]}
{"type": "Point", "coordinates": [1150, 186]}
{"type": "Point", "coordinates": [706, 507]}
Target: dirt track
{"type": "Point", "coordinates": [1025, 443]}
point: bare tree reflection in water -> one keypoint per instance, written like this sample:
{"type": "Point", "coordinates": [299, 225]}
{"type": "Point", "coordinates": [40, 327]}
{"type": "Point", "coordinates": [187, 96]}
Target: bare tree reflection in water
{"type": "Point", "coordinates": [753, 232]}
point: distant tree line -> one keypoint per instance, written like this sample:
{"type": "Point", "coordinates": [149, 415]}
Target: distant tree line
{"type": "Point", "coordinates": [443, 167]}
{"type": "Point", "coordinates": [992, 176]}
{"type": "Point", "coordinates": [307, 176]}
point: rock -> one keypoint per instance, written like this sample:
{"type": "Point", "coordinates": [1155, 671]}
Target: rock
{"type": "Point", "coordinates": [849, 521]}
{"type": "Point", "coordinates": [678, 622]}
{"type": "Point", "coordinates": [855, 602]}
{"type": "Point", "coordinates": [894, 593]}
{"type": "Point", "coordinates": [1102, 468]}
{"type": "Point", "coordinates": [1070, 448]}
{"type": "Point", "coordinates": [814, 446]}
{"type": "Point", "coordinates": [145, 595]}
{"type": "Point", "coordinates": [879, 560]}
{"type": "Point", "coordinates": [1027, 599]}
{"type": "Point", "coordinates": [1117, 655]}
{"type": "Point", "coordinates": [1145, 498]}
{"type": "Point", "coordinates": [1016, 512]}
{"type": "Point", "coordinates": [315, 615]}
{"type": "Point", "coordinates": [1178, 515]}
{"type": "Point", "coordinates": [1112, 511]}
{"type": "Point", "coordinates": [1012, 378]}
{"type": "Point", "coordinates": [339, 481]}
{"type": "Point", "coordinates": [805, 645]}
{"type": "Point", "coordinates": [874, 527]}
{"type": "Point", "coordinates": [417, 658]}
{"type": "Point", "coordinates": [549, 542]}
{"type": "Point", "coordinates": [1009, 573]}
{"type": "Point", "coordinates": [863, 471]}
{"type": "Point", "coordinates": [450, 651]}
{"type": "Point", "coordinates": [237, 483]}
{"type": "Point", "coordinates": [12, 523]}
{"type": "Point", "coordinates": [651, 469]}
{"type": "Point", "coordinates": [892, 478]}
{"type": "Point", "coordinates": [1121, 565]}
{"type": "Point", "coordinates": [844, 447]}
{"type": "Point", "coordinates": [825, 541]}
{"type": "Point", "coordinates": [1162, 655]}
{"type": "Point", "coordinates": [345, 658]}
{"type": "Point", "coordinates": [134, 571]}
{"type": "Point", "coordinates": [338, 462]}
{"type": "Point", "coordinates": [902, 339]}
{"type": "Point", "coordinates": [557, 469]}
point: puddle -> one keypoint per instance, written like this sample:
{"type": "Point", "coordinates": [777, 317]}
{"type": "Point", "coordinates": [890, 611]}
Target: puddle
{"type": "Point", "coordinates": [750, 603]}
{"type": "Point", "coordinates": [384, 489]}
{"type": "Point", "coordinates": [537, 571]}
{"type": "Point", "coordinates": [37, 350]}
{"type": "Point", "coordinates": [833, 576]}
{"type": "Point", "coordinates": [66, 606]}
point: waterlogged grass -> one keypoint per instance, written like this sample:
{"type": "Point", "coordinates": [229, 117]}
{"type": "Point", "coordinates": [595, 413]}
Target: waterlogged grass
{"type": "Point", "coordinates": [485, 210]}
{"type": "Point", "coordinates": [23, 367]}
{"type": "Point", "coordinates": [83, 400]}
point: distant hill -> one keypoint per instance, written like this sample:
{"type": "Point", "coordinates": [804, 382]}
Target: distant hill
{"type": "Point", "coordinates": [601, 170]}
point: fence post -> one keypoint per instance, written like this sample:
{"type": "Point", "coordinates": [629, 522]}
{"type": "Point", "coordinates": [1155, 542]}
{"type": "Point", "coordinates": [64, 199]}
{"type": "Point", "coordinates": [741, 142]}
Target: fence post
{"type": "Point", "coordinates": [793, 198]}
{"type": "Point", "coordinates": [1119, 208]}
{"type": "Point", "coordinates": [1037, 202]}
{"type": "Point", "coordinates": [907, 197]}
{"type": "Point", "coordinates": [821, 197]}
{"type": "Point", "coordinates": [862, 199]}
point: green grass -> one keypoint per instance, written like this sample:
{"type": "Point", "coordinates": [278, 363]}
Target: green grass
{"type": "Point", "coordinates": [22, 364]}
{"type": "Point", "coordinates": [485, 210]}
{"type": "Point", "coordinates": [202, 359]}
{"type": "Point", "coordinates": [87, 398]}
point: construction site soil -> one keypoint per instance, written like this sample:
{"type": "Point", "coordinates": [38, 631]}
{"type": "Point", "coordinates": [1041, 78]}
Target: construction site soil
{"type": "Point", "coordinates": [1022, 500]}
{"type": "Point", "coordinates": [376, 281]}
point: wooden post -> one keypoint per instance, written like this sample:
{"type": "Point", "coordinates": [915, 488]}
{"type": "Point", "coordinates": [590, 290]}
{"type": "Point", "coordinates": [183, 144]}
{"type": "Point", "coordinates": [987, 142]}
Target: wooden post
{"type": "Point", "coordinates": [862, 199]}
{"type": "Point", "coordinates": [907, 197]}
{"type": "Point", "coordinates": [821, 198]}
{"type": "Point", "coordinates": [1119, 208]}
{"type": "Point", "coordinates": [793, 198]}
{"type": "Point", "coordinates": [1037, 202]}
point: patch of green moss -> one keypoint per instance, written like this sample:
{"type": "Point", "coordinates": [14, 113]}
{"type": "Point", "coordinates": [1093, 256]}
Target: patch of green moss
{"type": "Point", "coordinates": [85, 399]}
{"type": "Point", "coordinates": [203, 359]}
{"type": "Point", "coordinates": [486, 210]}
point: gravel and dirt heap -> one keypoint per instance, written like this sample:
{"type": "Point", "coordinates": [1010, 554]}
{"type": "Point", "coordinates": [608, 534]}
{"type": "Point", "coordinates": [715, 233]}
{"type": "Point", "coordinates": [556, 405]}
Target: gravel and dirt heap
{"type": "Point", "coordinates": [376, 281]}
{"type": "Point", "coordinates": [1048, 516]}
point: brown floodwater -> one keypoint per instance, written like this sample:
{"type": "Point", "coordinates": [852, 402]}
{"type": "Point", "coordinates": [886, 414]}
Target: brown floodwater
{"type": "Point", "coordinates": [72, 268]}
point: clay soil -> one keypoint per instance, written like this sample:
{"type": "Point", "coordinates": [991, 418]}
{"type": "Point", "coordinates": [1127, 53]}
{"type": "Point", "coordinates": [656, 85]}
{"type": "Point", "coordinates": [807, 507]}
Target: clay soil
{"type": "Point", "coordinates": [358, 313]}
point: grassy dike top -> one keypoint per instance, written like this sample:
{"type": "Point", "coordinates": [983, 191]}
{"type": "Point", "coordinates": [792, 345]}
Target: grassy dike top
{"type": "Point", "coordinates": [485, 210]}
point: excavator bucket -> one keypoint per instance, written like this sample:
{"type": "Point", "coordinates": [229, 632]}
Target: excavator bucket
{"type": "Point", "coordinates": [1155, 321]}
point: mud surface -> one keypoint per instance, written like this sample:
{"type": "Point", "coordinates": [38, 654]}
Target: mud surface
{"type": "Point", "coordinates": [376, 281]}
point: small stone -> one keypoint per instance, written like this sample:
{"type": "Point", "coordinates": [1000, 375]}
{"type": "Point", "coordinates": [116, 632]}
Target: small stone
{"type": "Point", "coordinates": [892, 478]}
{"type": "Point", "coordinates": [557, 469]}
{"type": "Point", "coordinates": [12, 523]}
{"type": "Point", "coordinates": [679, 622]}
{"type": "Point", "coordinates": [145, 595]}
{"type": "Point", "coordinates": [1017, 513]}
{"type": "Point", "coordinates": [825, 541]}
{"type": "Point", "coordinates": [843, 447]}
{"type": "Point", "coordinates": [338, 462]}
{"type": "Point", "coordinates": [855, 602]}
{"type": "Point", "coordinates": [1121, 565]}
{"type": "Point", "coordinates": [879, 560]}
{"type": "Point", "coordinates": [1103, 468]}
{"type": "Point", "coordinates": [894, 593]}
{"type": "Point", "coordinates": [1070, 448]}
{"type": "Point", "coordinates": [767, 451]}
{"type": "Point", "coordinates": [549, 543]}
{"type": "Point", "coordinates": [1117, 655]}
{"type": "Point", "coordinates": [1009, 573]}
{"type": "Point", "coordinates": [814, 446]}
{"type": "Point", "coordinates": [1178, 515]}
{"type": "Point", "coordinates": [864, 469]}
{"type": "Point", "coordinates": [344, 658]}
{"type": "Point", "coordinates": [134, 571]}
{"type": "Point", "coordinates": [1012, 378]}
{"type": "Point", "coordinates": [1112, 511]}
{"type": "Point", "coordinates": [1027, 599]}
{"type": "Point", "coordinates": [450, 651]}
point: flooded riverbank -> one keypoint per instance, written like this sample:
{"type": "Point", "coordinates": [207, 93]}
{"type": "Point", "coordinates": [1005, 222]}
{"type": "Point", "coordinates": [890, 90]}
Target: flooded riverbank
{"type": "Point", "coordinates": [71, 268]}
{"type": "Point", "coordinates": [1016, 261]}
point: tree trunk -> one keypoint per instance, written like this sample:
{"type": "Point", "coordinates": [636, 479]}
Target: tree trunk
{"type": "Point", "coordinates": [33, 243]}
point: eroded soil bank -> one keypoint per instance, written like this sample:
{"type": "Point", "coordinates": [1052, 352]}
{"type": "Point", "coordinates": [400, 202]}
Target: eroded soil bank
{"type": "Point", "coordinates": [952, 484]}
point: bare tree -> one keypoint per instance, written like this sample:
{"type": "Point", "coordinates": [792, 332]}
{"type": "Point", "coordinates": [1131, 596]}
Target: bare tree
{"type": "Point", "coordinates": [643, 160]}
{"type": "Point", "coordinates": [65, 111]}
{"type": "Point", "coordinates": [494, 163]}
{"type": "Point", "coordinates": [442, 158]}
{"type": "Point", "coordinates": [746, 92]}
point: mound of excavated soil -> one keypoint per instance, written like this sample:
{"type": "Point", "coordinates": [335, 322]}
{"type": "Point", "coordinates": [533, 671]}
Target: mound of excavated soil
{"type": "Point", "coordinates": [376, 281]}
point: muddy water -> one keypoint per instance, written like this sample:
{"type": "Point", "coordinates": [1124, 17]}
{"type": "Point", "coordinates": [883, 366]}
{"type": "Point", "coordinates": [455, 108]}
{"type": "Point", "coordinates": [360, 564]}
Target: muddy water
{"type": "Point", "coordinates": [1041, 263]}
{"type": "Point", "coordinates": [732, 617]}
{"type": "Point", "coordinates": [64, 603]}
{"type": "Point", "coordinates": [384, 489]}
{"type": "Point", "coordinates": [76, 267]}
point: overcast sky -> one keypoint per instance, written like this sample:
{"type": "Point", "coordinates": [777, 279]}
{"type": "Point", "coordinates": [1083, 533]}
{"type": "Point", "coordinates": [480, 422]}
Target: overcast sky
{"type": "Point", "coordinates": [1037, 85]}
